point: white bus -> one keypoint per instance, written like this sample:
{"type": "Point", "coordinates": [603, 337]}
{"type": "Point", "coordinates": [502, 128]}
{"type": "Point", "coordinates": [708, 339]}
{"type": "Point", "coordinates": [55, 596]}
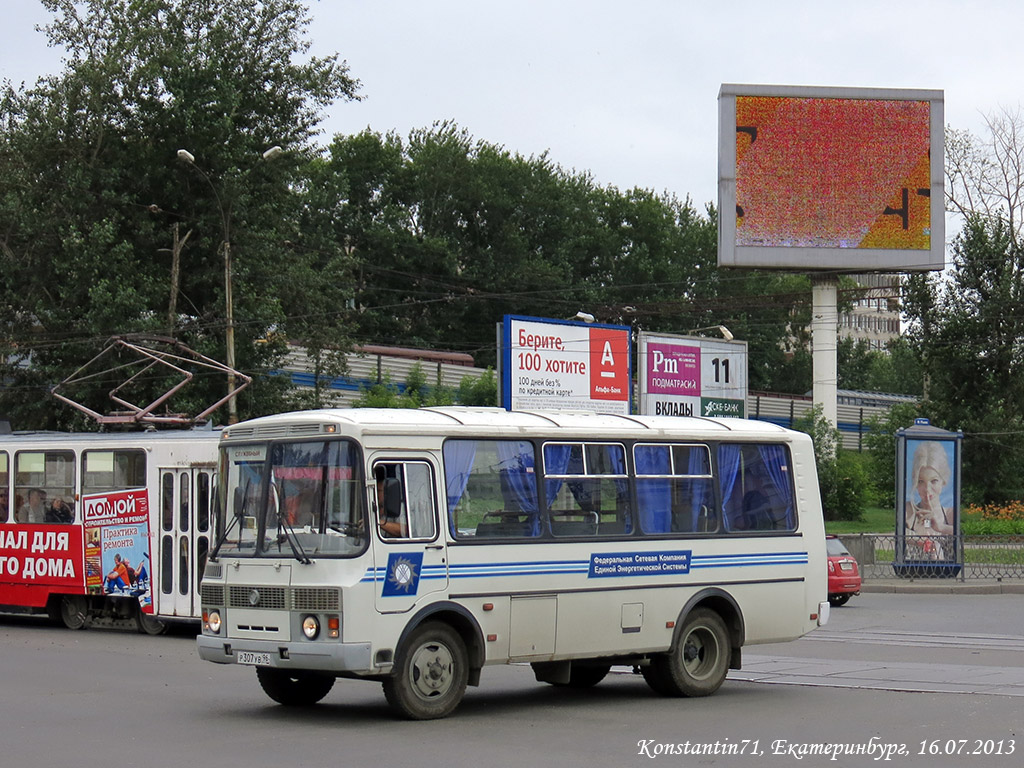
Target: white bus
{"type": "Point", "coordinates": [415, 547]}
{"type": "Point", "coordinates": [108, 529]}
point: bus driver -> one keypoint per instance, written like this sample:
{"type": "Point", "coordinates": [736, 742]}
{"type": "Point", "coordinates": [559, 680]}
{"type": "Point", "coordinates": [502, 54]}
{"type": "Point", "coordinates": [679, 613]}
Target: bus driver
{"type": "Point", "coordinates": [390, 509]}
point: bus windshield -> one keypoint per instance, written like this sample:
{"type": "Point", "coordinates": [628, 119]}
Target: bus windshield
{"type": "Point", "coordinates": [299, 500]}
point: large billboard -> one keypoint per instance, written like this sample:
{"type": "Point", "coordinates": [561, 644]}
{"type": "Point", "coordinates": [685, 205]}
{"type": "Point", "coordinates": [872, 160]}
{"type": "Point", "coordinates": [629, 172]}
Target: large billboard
{"type": "Point", "coordinates": [831, 178]}
{"type": "Point", "coordinates": [691, 376]}
{"type": "Point", "coordinates": [565, 366]}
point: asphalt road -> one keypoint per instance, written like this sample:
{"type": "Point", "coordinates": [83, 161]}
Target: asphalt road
{"type": "Point", "coordinates": [106, 698]}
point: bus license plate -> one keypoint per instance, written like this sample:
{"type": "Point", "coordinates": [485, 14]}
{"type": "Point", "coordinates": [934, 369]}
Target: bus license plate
{"type": "Point", "coordinates": [256, 659]}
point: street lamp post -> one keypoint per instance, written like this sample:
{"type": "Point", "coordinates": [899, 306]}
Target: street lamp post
{"type": "Point", "coordinates": [726, 333]}
{"type": "Point", "coordinates": [229, 305]}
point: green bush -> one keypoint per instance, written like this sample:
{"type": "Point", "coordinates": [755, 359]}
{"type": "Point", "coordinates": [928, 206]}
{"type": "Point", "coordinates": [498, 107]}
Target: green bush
{"type": "Point", "coordinates": [973, 526]}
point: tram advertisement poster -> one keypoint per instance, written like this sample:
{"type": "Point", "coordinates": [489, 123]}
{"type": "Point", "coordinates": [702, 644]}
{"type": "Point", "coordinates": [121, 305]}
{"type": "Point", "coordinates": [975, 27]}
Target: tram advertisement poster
{"type": "Point", "coordinates": [46, 555]}
{"type": "Point", "coordinates": [117, 544]}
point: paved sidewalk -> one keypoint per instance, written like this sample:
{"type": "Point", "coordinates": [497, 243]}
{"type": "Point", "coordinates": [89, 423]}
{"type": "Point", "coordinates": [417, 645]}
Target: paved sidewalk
{"type": "Point", "coordinates": [945, 586]}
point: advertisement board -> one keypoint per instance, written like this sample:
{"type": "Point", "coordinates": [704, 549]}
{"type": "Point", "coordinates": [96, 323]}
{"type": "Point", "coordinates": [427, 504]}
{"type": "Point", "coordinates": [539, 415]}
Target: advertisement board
{"type": "Point", "coordinates": [831, 178]}
{"type": "Point", "coordinates": [564, 365]}
{"type": "Point", "coordinates": [928, 461]}
{"type": "Point", "coordinates": [692, 376]}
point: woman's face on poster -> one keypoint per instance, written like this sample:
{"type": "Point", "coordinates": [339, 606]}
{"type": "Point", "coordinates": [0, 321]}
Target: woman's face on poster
{"type": "Point", "coordinates": [929, 486]}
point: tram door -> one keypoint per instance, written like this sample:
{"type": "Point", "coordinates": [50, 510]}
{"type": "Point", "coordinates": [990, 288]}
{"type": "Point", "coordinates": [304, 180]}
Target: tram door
{"type": "Point", "coordinates": [186, 498]}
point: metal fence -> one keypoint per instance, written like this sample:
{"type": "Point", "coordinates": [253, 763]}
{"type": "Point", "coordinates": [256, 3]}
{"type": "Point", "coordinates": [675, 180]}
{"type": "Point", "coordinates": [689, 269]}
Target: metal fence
{"type": "Point", "coordinates": [952, 557]}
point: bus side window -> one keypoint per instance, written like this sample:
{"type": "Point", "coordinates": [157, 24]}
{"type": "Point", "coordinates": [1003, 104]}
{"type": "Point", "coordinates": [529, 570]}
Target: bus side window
{"type": "Point", "coordinates": [756, 487]}
{"type": "Point", "coordinates": [405, 500]}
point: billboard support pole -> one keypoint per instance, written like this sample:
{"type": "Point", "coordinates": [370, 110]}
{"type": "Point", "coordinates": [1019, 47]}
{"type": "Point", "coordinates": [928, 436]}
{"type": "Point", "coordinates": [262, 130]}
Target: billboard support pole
{"type": "Point", "coordinates": [824, 335]}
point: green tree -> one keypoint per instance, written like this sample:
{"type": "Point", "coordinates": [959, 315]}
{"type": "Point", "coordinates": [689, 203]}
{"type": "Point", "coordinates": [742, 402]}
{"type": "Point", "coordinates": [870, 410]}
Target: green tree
{"type": "Point", "coordinates": [449, 233]}
{"type": "Point", "coordinates": [968, 326]}
{"type": "Point", "coordinates": [93, 204]}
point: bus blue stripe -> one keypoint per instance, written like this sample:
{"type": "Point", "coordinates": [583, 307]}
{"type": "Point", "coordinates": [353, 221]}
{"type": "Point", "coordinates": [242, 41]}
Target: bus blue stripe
{"type": "Point", "coordinates": [571, 567]}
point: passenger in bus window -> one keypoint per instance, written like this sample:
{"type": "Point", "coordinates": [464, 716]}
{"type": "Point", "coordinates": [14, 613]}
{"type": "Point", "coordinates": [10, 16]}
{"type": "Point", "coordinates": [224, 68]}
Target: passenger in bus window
{"type": "Point", "coordinates": [756, 506]}
{"type": "Point", "coordinates": [59, 512]}
{"type": "Point", "coordinates": [33, 510]}
{"type": "Point", "coordinates": [390, 510]}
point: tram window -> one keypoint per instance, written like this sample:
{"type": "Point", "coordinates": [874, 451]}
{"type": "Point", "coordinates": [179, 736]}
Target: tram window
{"type": "Point", "coordinates": [5, 488]}
{"type": "Point", "coordinates": [42, 478]}
{"type": "Point", "coordinates": [491, 488]}
{"type": "Point", "coordinates": [756, 488]}
{"type": "Point", "coordinates": [203, 501]}
{"type": "Point", "coordinates": [184, 582]}
{"type": "Point", "coordinates": [674, 488]}
{"type": "Point", "coordinates": [167, 501]}
{"type": "Point", "coordinates": [184, 503]}
{"type": "Point", "coordinates": [106, 471]}
{"type": "Point", "coordinates": [587, 489]}
{"type": "Point", "coordinates": [167, 565]}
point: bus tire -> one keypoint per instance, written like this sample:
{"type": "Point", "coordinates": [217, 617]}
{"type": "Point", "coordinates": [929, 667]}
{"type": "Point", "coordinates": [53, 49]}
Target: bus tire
{"type": "Point", "coordinates": [698, 662]}
{"type": "Point", "coordinates": [294, 688]}
{"type": "Point", "coordinates": [430, 675]}
{"type": "Point", "coordinates": [149, 625]}
{"type": "Point", "coordinates": [74, 611]}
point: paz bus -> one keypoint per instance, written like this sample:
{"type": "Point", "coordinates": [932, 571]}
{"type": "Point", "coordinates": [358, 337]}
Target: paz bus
{"type": "Point", "coordinates": [108, 529]}
{"type": "Point", "coordinates": [417, 547]}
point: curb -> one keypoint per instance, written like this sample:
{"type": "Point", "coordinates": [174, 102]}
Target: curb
{"type": "Point", "coordinates": [937, 587]}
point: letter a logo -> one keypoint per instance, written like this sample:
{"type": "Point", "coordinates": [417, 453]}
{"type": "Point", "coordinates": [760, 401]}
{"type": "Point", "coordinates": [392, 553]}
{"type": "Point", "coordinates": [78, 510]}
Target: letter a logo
{"type": "Point", "coordinates": [607, 358]}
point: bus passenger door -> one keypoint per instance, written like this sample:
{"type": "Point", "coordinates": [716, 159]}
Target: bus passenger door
{"type": "Point", "coordinates": [183, 541]}
{"type": "Point", "coordinates": [409, 550]}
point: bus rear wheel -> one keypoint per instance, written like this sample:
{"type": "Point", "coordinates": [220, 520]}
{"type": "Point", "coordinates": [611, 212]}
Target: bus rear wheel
{"type": "Point", "coordinates": [431, 673]}
{"type": "Point", "coordinates": [698, 663]}
{"type": "Point", "coordinates": [294, 689]}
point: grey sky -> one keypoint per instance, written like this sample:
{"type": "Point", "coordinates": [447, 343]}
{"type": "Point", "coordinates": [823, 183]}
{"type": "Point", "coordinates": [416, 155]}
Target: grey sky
{"type": "Point", "coordinates": [626, 91]}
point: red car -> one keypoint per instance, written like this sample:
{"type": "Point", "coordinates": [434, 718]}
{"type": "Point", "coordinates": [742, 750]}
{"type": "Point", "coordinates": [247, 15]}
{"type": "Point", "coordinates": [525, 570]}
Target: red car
{"type": "Point", "coordinates": [843, 572]}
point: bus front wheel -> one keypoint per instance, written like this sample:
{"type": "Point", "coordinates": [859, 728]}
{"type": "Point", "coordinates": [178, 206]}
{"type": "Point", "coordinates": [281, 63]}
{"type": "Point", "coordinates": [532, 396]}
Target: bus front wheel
{"type": "Point", "coordinates": [698, 663]}
{"type": "Point", "coordinates": [431, 673]}
{"type": "Point", "coordinates": [294, 689]}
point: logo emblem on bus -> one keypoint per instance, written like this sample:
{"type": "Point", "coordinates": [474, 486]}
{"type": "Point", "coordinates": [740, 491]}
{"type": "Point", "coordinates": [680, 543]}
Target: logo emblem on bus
{"type": "Point", "coordinates": [403, 574]}
{"type": "Point", "coordinates": [254, 598]}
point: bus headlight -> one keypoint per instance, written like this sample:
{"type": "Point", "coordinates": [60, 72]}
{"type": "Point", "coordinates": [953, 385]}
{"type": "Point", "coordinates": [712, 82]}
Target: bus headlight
{"type": "Point", "coordinates": [213, 621]}
{"type": "Point", "coordinates": [310, 627]}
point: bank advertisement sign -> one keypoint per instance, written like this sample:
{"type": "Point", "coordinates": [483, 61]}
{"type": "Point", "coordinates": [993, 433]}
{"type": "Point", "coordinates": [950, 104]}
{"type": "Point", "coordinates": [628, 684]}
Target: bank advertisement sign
{"type": "Point", "coordinates": [565, 366]}
{"type": "Point", "coordinates": [691, 376]}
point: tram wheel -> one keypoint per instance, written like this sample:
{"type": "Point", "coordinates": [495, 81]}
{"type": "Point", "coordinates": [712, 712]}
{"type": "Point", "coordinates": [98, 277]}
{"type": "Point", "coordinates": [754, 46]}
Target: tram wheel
{"type": "Point", "coordinates": [294, 688]}
{"type": "Point", "coordinates": [74, 611]}
{"type": "Point", "coordinates": [149, 625]}
{"type": "Point", "coordinates": [431, 673]}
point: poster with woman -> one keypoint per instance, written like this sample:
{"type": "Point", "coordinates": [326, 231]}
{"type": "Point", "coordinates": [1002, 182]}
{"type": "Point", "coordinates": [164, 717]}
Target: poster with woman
{"type": "Point", "coordinates": [929, 495]}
